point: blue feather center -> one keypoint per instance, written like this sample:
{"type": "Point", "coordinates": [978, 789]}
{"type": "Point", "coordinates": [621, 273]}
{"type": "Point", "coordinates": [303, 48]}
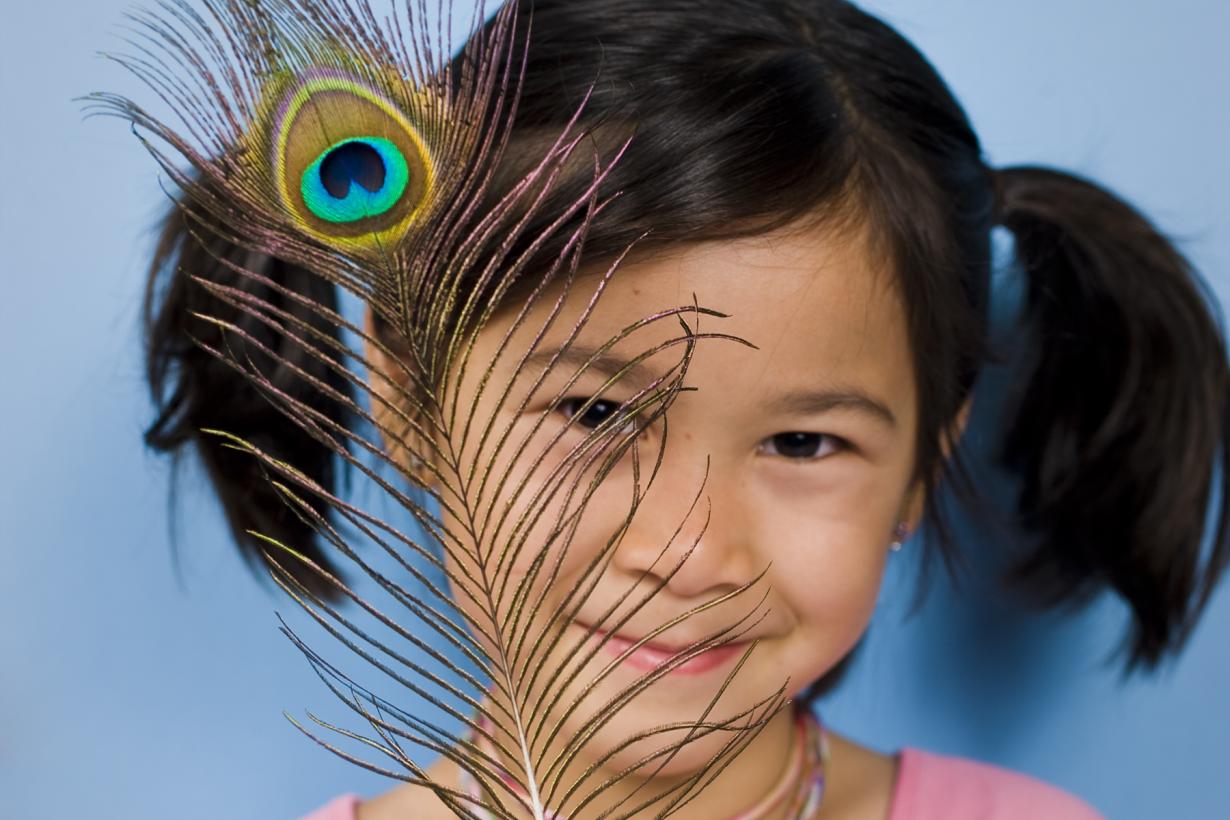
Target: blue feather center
{"type": "Point", "coordinates": [354, 179]}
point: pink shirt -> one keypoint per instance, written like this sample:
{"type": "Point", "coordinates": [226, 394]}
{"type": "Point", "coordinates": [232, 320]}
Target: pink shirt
{"type": "Point", "coordinates": [929, 787]}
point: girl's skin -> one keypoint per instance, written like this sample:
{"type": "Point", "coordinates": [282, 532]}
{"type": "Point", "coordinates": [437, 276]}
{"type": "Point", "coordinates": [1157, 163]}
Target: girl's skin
{"type": "Point", "coordinates": [818, 510]}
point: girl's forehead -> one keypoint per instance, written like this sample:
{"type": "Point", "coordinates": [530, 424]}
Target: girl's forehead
{"type": "Point", "coordinates": [759, 274]}
{"type": "Point", "coordinates": [817, 308]}
{"type": "Point", "coordinates": [798, 285]}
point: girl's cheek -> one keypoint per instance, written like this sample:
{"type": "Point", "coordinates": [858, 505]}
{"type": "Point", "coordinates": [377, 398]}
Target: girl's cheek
{"type": "Point", "coordinates": [575, 518]}
{"type": "Point", "coordinates": [835, 588]}
{"type": "Point", "coordinates": [531, 528]}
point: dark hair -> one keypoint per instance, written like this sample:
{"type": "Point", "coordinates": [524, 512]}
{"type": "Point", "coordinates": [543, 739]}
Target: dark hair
{"type": "Point", "coordinates": [748, 115]}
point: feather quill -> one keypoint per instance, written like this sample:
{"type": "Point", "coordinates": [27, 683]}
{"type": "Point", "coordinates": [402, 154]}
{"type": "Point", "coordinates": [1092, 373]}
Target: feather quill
{"type": "Point", "coordinates": [319, 133]}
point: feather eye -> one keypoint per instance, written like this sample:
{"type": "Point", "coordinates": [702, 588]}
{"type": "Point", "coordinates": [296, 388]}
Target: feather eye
{"type": "Point", "coordinates": [350, 168]}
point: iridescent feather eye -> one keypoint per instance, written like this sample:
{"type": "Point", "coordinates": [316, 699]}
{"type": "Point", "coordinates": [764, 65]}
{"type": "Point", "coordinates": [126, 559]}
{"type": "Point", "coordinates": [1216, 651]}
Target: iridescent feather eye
{"type": "Point", "coordinates": [357, 178]}
{"type": "Point", "coordinates": [350, 168]}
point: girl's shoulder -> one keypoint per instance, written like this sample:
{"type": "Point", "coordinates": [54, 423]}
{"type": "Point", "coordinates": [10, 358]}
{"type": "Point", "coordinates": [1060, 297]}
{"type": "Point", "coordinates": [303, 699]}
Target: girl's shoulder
{"type": "Point", "coordinates": [406, 800]}
{"type": "Point", "coordinates": [932, 786]}
{"type": "Point", "coordinates": [345, 807]}
{"type": "Point", "coordinates": [403, 801]}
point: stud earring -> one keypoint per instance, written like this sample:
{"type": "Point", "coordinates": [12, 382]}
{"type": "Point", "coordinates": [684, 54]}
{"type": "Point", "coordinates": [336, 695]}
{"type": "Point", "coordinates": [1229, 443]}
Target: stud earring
{"type": "Point", "coordinates": [900, 533]}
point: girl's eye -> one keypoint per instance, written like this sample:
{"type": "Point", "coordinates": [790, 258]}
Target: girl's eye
{"type": "Point", "coordinates": [597, 413]}
{"type": "Point", "coordinates": [803, 446]}
{"type": "Point", "coordinates": [795, 446]}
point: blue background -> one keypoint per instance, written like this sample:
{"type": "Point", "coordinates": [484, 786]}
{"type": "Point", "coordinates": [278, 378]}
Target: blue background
{"type": "Point", "coordinates": [135, 687]}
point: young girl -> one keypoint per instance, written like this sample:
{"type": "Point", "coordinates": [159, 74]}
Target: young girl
{"type": "Point", "coordinates": [800, 167]}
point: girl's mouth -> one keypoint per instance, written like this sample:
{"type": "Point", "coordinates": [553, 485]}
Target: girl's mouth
{"type": "Point", "coordinates": [650, 656]}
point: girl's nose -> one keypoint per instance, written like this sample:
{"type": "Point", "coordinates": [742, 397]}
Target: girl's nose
{"type": "Point", "coordinates": [695, 509]}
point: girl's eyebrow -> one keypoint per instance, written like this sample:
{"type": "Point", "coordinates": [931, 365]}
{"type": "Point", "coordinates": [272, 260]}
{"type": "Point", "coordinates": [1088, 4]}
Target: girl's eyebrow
{"type": "Point", "coordinates": [850, 397]}
{"type": "Point", "coordinates": [797, 402]}
{"type": "Point", "coordinates": [637, 375]}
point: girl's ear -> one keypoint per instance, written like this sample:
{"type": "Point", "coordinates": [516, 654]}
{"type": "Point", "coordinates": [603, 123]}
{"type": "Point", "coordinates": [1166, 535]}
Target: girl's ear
{"type": "Point", "coordinates": [389, 380]}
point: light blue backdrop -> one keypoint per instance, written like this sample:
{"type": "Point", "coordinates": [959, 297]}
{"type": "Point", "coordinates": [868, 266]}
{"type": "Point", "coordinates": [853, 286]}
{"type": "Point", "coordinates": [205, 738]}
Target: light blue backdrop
{"type": "Point", "coordinates": [129, 692]}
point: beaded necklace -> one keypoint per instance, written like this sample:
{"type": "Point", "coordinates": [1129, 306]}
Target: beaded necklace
{"type": "Point", "coordinates": [802, 780]}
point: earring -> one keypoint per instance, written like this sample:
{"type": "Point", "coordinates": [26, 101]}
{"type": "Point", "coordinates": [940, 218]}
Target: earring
{"type": "Point", "coordinates": [900, 533]}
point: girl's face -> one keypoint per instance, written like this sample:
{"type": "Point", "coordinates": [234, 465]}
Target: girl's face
{"type": "Point", "coordinates": [809, 441]}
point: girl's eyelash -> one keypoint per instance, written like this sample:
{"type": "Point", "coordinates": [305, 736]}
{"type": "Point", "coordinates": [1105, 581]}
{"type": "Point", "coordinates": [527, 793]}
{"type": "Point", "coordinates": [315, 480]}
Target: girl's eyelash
{"type": "Point", "coordinates": [839, 443]}
{"type": "Point", "coordinates": [793, 437]}
{"type": "Point", "coordinates": [577, 401]}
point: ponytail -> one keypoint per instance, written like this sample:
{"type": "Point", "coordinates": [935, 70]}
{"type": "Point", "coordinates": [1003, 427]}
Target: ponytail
{"type": "Point", "coordinates": [1122, 410]}
{"type": "Point", "coordinates": [193, 390]}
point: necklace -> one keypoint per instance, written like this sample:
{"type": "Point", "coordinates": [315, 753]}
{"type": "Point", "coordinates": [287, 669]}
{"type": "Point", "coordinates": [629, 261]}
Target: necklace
{"type": "Point", "coordinates": [801, 782]}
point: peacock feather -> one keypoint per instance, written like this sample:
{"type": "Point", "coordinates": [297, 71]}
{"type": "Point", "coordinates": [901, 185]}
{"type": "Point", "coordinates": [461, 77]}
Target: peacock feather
{"type": "Point", "coordinates": [348, 143]}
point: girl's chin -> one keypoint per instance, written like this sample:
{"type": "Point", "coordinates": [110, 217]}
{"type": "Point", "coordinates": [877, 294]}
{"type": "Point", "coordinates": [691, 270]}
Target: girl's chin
{"type": "Point", "coordinates": [689, 758]}
{"type": "Point", "coordinates": [680, 696]}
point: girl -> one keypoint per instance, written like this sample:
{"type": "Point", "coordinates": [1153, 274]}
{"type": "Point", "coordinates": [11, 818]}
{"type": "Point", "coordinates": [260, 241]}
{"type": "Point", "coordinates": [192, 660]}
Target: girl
{"type": "Point", "coordinates": [801, 168]}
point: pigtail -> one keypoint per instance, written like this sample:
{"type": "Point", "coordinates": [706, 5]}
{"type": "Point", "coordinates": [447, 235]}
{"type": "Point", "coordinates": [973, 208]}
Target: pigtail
{"type": "Point", "coordinates": [194, 391]}
{"type": "Point", "coordinates": [1122, 410]}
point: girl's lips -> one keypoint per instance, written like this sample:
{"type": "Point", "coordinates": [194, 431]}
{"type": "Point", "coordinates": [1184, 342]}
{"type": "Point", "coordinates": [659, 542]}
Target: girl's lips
{"type": "Point", "coordinates": [649, 657]}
